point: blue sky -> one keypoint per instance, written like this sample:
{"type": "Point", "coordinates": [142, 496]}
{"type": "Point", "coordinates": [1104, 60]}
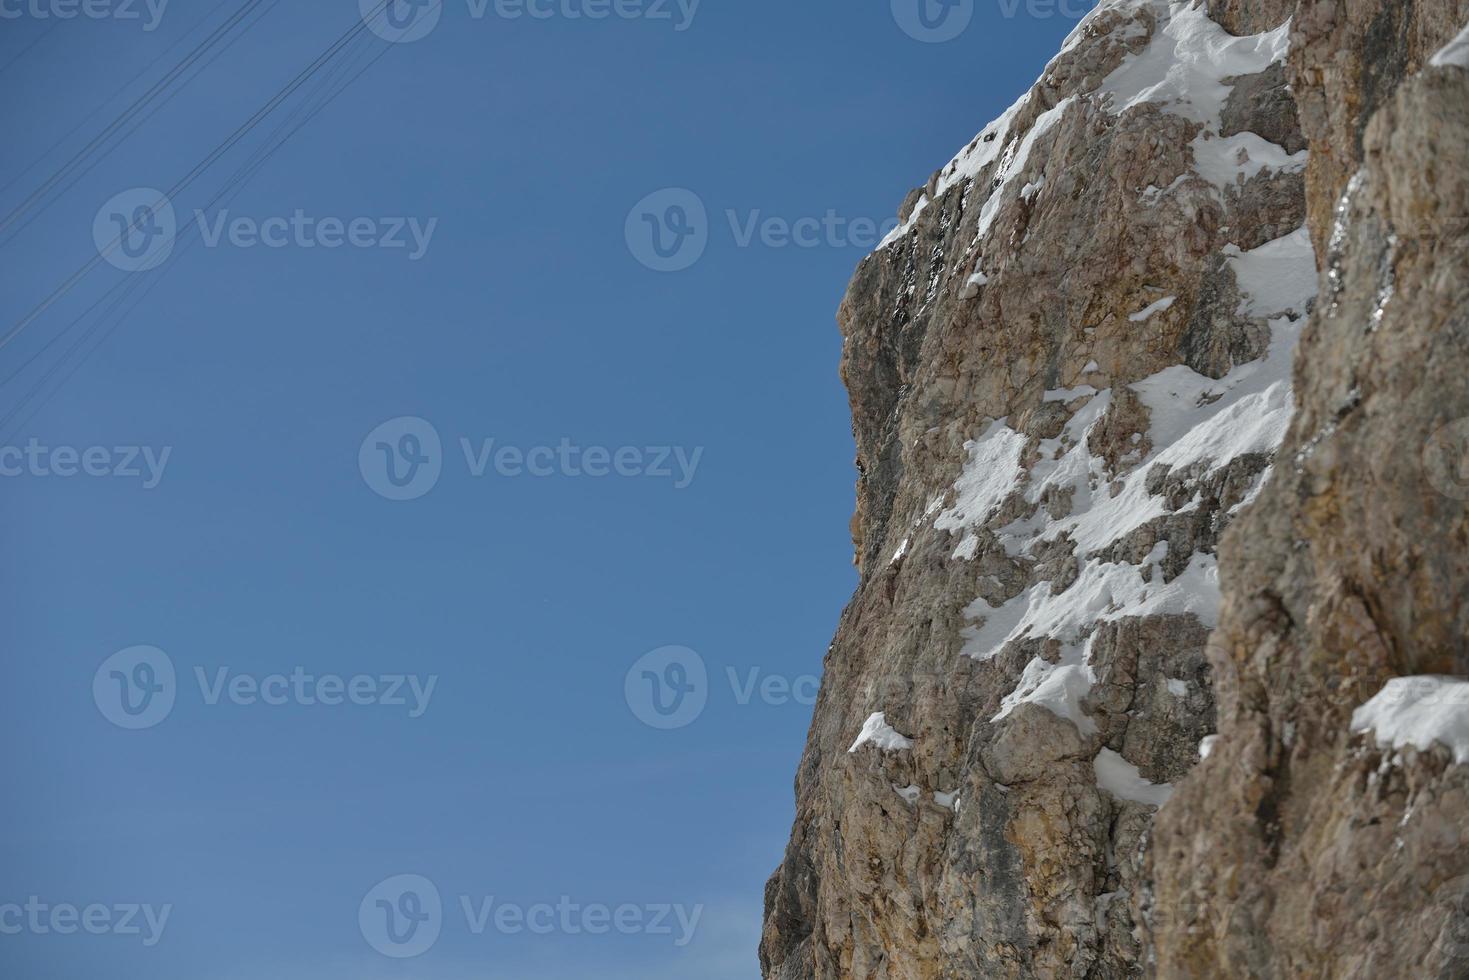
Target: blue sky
{"type": "Point", "coordinates": [555, 754]}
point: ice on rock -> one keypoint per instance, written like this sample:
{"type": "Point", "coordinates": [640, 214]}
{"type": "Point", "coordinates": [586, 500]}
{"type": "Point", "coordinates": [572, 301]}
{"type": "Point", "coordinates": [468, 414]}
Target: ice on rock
{"type": "Point", "coordinates": [878, 732]}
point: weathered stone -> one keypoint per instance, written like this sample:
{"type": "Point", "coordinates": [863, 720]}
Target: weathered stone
{"type": "Point", "coordinates": [1296, 849]}
{"type": "Point", "coordinates": [1045, 368]}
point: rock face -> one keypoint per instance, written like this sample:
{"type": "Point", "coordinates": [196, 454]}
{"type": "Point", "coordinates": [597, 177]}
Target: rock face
{"type": "Point", "coordinates": [1299, 848]}
{"type": "Point", "coordinates": [1071, 375]}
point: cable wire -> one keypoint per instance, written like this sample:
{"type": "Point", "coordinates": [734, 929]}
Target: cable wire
{"type": "Point", "coordinates": [303, 115]}
{"type": "Point", "coordinates": [137, 106]}
{"type": "Point", "coordinates": [145, 215]}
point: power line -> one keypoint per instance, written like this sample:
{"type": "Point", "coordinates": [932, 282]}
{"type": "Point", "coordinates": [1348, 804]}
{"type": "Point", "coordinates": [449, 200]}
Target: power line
{"type": "Point", "coordinates": [110, 99]}
{"type": "Point", "coordinates": [138, 123]}
{"type": "Point", "coordinates": [137, 106]}
{"type": "Point", "coordinates": [27, 49]}
{"type": "Point", "coordinates": [146, 215]}
{"type": "Point", "coordinates": [232, 186]}
{"type": "Point", "coordinates": [303, 115]}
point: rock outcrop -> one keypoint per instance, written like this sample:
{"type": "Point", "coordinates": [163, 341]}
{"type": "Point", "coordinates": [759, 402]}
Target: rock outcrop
{"type": "Point", "coordinates": [1301, 848]}
{"type": "Point", "coordinates": [1071, 377]}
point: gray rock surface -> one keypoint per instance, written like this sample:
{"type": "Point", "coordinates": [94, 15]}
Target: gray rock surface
{"type": "Point", "coordinates": [1070, 379]}
{"type": "Point", "coordinates": [1299, 848]}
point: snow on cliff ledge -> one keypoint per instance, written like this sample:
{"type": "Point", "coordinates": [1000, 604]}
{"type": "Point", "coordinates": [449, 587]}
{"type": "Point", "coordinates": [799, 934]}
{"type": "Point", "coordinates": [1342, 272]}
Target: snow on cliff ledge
{"type": "Point", "coordinates": [878, 732]}
{"type": "Point", "coordinates": [1421, 712]}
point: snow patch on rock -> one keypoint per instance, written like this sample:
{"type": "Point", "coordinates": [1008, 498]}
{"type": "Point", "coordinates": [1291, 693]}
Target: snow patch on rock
{"type": "Point", "coordinates": [989, 475]}
{"type": "Point", "coordinates": [1420, 711]}
{"type": "Point", "coordinates": [1278, 277]}
{"type": "Point", "coordinates": [1121, 778]}
{"type": "Point", "coordinates": [1185, 64]}
{"type": "Point", "coordinates": [1104, 591]}
{"type": "Point", "coordinates": [878, 732]}
{"type": "Point", "coordinates": [1146, 313]}
{"type": "Point", "coordinates": [1057, 687]}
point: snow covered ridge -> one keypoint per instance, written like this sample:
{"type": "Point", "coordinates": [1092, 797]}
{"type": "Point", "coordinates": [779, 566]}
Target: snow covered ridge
{"type": "Point", "coordinates": [1183, 69]}
{"type": "Point", "coordinates": [1421, 711]}
{"type": "Point", "coordinates": [996, 138]}
{"type": "Point", "coordinates": [1186, 62]}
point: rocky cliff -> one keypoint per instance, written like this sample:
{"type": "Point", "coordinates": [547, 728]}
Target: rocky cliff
{"type": "Point", "coordinates": [1156, 394]}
